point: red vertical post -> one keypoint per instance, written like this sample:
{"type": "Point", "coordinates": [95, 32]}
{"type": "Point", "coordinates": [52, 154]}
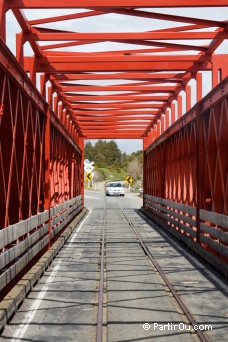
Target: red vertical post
{"type": "Point", "coordinates": [47, 176]}
{"type": "Point", "coordinates": [71, 128]}
{"type": "Point", "coordinates": [199, 86]}
{"type": "Point", "coordinates": [199, 170]}
{"type": "Point", "coordinates": [158, 128]}
{"type": "Point", "coordinates": [224, 72]}
{"type": "Point", "coordinates": [64, 115]}
{"type": "Point", "coordinates": [223, 67]}
{"type": "Point", "coordinates": [144, 176]}
{"type": "Point", "coordinates": [146, 142]}
{"type": "Point", "coordinates": [33, 70]}
{"type": "Point", "coordinates": [215, 74]}
{"type": "Point", "coordinates": [167, 121]}
{"type": "Point", "coordinates": [50, 97]}
{"type": "Point", "coordinates": [150, 136]}
{"type": "Point", "coordinates": [173, 113]}
{"type": "Point", "coordinates": [56, 102]}
{"type": "Point", "coordinates": [76, 133]}
{"type": "Point", "coordinates": [61, 112]}
{"type": "Point", "coordinates": [188, 98]}
{"type": "Point", "coordinates": [3, 11]}
{"type": "Point", "coordinates": [151, 133]}
{"type": "Point", "coordinates": [162, 123]}
{"type": "Point", "coordinates": [155, 132]}
{"type": "Point", "coordinates": [20, 49]}
{"type": "Point", "coordinates": [67, 122]}
{"type": "Point", "coordinates": [43, 80]}
{"type": "Point", "coordinates": [180, 108]}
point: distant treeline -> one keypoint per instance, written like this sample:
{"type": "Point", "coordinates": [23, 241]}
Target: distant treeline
{"type": "Point", "coordinates": [107, 155]}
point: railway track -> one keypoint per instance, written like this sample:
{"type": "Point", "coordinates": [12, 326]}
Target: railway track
{"type": "Point", "coordinates": [101, 320]}
{"type": "Point", "coordinates": [117, 277]}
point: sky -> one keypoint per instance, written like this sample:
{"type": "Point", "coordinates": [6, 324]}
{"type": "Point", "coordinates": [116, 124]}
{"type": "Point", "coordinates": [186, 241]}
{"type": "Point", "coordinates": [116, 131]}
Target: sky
{"type": "Point", "coordinates": [117, 23]}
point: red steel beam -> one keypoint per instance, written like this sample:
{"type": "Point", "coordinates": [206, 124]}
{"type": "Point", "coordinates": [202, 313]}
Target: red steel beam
{"type": "Point", "coordinates": [115, 112]}
{"type": "Point", "coordinates": [109, 66]}
{"type": "Point", "coordinates": [135, 64]}
{"type": "Point", "coordinates": [65, 17]}
{"type": "Point", "coordinates": [115, 118]}
{"type": "Point", "coordinates": [111, 105]}
{"type": "Point", "coordinates": [172, 77]}
{"type": "Point", "coordinates": [164, 60]}
{"type": "Point", "coordinates": [26, 27]}
{"type": "Point", "coordinates": [117, 127]}
{"type": "Point", "coordinates": [93, 58]}
{"type": "Point", "coordinates": [115, 4]}
{"type": "Point", "coordinates": [135, 98]}
{"type": "Point", "coordinates": [132, 12]}
{"type": "Point", "coordinates": [168, 17]}
{"type": "Point", "coordinates": [110, 134]}
{"type": "Point", "coordinates": [117, 66]}
{"type": "Point", "coordinates": [120, 36]}
{"type": "Point", "coordinates": [162, 46]}
{"type": "Point", "coordinates": [153, 89]}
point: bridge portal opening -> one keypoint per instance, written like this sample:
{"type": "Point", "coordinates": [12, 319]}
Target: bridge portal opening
{"type": "Point", "coordinates": [113, 160]}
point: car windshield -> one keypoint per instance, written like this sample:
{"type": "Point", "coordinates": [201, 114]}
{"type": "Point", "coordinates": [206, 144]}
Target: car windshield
{"type": "Point", "coordinates": [114, 185]}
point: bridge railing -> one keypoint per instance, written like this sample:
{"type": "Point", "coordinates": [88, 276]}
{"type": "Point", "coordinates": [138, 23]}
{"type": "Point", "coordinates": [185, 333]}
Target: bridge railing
{"type": "Point", "coordinates": [186, 177]}
{"type": "Point", "coordinates": [23, 241]}
{"type": "Point", "coordinates": [40, 172]}
{"type": "Point", "coordinates": [181, 219]}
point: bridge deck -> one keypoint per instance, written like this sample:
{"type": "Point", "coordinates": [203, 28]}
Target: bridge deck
{"type": "Point", "coordinates": [63, 305]}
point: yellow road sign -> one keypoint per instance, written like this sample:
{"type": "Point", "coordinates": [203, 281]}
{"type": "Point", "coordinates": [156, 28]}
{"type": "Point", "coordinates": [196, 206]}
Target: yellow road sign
{"type": "Point", "coordinates": [129, 180]}
{"type": "Point", "coordinates": [89, 176]}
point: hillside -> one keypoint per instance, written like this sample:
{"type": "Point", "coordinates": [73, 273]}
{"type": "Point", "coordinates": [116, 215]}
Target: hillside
{"type": "Point", "coordinates": [112, 164]}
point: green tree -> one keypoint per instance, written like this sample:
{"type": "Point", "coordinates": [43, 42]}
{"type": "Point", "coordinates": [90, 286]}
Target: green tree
{"type": "Point", "coordinates": [89, 151]}
{"type": "Point", "coordinates": [109, 160]}
{"type": "Point", "coordinates": [114, 154]}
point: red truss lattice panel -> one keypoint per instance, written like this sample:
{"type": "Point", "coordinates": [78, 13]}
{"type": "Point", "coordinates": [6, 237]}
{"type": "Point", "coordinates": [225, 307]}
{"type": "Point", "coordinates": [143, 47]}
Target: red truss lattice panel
{"type": "Point", "coordinates": [21, 155]}
{"type": "Point", "coordinates": [189, 163]}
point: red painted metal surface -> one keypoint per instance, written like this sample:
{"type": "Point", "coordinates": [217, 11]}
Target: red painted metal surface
{"type": "Point", "coordinates": [40, 173]}
{"type": "Point", "coordinates": [39, 159]}
{"type": "Point", "coordinates": [72, 60]}
{"type": "Point", "coordinates": [65, 169]}
{"type": "Point", "coordinates": [22, 156]}
{"type": "Point", "coordinates": [116, 4]}
{"type": "Point", "coordinates": [188, 164]}
{"type": "Point", "coordinates": [138, 87]}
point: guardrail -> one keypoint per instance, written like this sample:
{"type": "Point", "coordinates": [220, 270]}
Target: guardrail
{"type": "Point", "coordinates": [22, 242]}
{"type": "Point", "coordinates": [180, 220]}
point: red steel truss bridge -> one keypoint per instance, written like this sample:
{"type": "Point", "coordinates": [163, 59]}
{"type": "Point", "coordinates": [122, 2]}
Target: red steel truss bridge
{"type": "Point", "coordinates": [123, 69]}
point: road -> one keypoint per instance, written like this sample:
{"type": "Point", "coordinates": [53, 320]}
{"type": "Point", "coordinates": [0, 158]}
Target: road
{"type": "Point", "coordinates": [137, 305]}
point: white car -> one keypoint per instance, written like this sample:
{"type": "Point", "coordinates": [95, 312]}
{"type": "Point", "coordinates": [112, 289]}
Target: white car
{"type": "Point", "coordinates": [114, 188]}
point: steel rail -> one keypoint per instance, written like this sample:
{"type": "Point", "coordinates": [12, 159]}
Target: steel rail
{"type": "Point", "coordinates": [101, 287]}
{"type": "Point", "coordinates": [191, 319]}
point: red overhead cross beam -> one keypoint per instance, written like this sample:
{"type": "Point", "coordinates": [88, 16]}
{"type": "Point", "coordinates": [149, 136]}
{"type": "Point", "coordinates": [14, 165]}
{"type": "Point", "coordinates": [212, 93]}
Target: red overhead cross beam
{"type": "Point", "coordinates": [95, 73]}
